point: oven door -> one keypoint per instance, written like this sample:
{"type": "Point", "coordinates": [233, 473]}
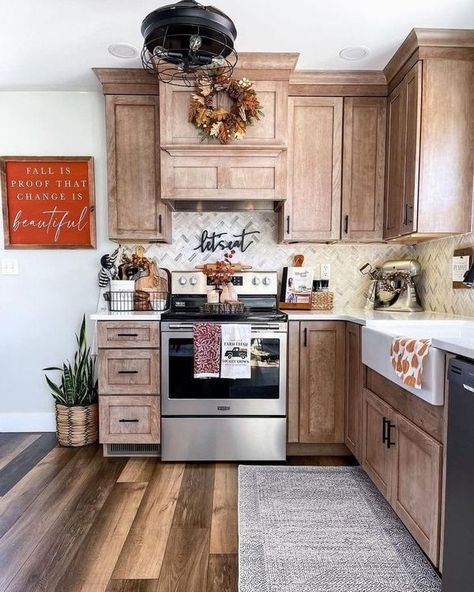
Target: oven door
{"type": "Point", "coordinates": [264, 393]}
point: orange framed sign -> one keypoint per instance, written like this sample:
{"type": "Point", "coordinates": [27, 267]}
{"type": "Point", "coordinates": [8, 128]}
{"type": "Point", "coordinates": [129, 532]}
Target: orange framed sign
{"type": "Point", "coordinates": [48, 202]}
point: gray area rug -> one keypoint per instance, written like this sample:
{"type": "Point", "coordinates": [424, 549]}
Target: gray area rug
{"type": "Point", "coordinates": [323, 529]}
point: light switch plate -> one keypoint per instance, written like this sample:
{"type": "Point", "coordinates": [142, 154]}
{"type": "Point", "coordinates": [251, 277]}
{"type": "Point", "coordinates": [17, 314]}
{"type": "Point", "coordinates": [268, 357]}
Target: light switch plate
{"type": "Point", "coordinates": [10, 267]}
{"type": "Point", "coordinates": [325, 271]}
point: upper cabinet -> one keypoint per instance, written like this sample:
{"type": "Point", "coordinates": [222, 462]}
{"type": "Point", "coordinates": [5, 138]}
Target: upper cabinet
{"type": "Point", "coordinates": [363, 168]}
{"type": "Point", "coordinates": [429, 170]}
{"type": "Point", "coordinates": [335, 171]}
{"type": "Point", "coordinates": [136, 212]}
{"type": "Point", "coordinates": [312, 211]}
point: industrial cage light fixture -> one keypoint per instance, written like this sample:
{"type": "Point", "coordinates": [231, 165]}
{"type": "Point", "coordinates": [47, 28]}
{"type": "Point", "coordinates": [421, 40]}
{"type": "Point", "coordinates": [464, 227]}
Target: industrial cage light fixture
{"type": "Point", "coordinates": [185, 40]}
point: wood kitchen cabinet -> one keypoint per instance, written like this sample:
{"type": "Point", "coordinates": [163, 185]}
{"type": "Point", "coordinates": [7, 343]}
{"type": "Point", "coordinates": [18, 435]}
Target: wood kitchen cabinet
{"type": "Point", "coordinates": [129, 386]}
{"type": "Point", "coordinates": [429, 168]}
{"type": "Point", "coordinates": [354, 385]}
{"type": "Point", "coordinates": [405, 463]}
{"type": "Point", "coordinates": [363, 168]}
{"type": "Point", "coordinates": [312, 211]}
{"type": "Point", "coordinates": [136, 211]}
{"type": "Point", "coordinates": [316, 382]}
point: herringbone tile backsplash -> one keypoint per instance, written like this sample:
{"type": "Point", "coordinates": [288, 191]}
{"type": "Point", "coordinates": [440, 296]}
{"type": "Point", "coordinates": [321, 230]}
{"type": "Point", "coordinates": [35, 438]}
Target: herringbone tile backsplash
{"type": "Point", "coordinates": [435, 284]}
{"type": "Point", "coordinates": [265, 253]}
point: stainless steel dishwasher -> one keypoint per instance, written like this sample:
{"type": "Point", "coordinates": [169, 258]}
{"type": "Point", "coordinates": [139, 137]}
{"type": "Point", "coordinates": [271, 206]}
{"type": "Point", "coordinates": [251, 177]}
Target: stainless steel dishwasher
{"type": "Point", "coordinates": [458, 575]}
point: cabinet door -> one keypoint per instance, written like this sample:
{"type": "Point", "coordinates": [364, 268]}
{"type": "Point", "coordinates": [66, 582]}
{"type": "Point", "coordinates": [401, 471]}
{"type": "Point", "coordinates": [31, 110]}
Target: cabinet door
{"type": "Point", "coordinates": [136, 212]}
{"type": "Point", "coordinates": [363, 168]}
{"type": "Point", "coordinates": [416, 484]}
{"type": "Point", "coordinates": [413, 89]}
{"type": "Point", "coordinates": [376, 457]}
{"type": "Point", "coordinates": [395, 169]}
{"type": "Point", "coordinates": [312, 211]}
{"type": "Point", "coordinates": [322, 363]}
{"type": "Point", "coordinates": [353, 408]}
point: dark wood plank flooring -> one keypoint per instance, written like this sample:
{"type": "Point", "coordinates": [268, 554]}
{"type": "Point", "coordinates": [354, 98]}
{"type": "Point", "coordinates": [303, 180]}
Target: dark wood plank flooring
{"type": "Point", "coordinates": [71, 520]}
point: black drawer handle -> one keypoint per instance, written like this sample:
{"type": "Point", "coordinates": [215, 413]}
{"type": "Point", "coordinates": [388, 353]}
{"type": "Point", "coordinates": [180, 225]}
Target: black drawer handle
{"type": "Point", "coordinates": [129, 420]}
{"type": "Point", "coordinates": [127, 334]}
{"type": "Point", "coordinates": [128, 372]}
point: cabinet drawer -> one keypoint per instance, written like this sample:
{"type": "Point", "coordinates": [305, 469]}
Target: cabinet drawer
{"type": "Point", "coordinates": [129, 372]}
{"type": "Point", "coordinates": [121, 334]}
{"type": "Point", "coordinates": [129, 420]}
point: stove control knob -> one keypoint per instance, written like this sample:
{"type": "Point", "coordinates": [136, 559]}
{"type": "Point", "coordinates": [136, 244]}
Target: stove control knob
{"type": "Point", "coordinates": [266, 281]}
{"type": "Point", "coordinates": [256, 281]}
{"type": "Point", "coordinates": [193, 281]}
{"type": "Point", "coordinates": [182, 280]}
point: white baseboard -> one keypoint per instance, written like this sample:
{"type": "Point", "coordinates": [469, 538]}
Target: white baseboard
{"type": "Point", "coordinates": [28, 422]}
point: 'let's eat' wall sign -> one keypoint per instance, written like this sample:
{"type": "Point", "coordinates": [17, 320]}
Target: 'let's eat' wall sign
{"type": "Point", "coordinates": [48, 202]}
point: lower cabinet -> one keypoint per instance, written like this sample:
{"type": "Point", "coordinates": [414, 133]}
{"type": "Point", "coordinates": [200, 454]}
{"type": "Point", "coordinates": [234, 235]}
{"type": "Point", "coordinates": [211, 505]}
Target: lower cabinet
{"type": "Point", "coordinates": [354, 385]}
{"type": "Point", "coordinates": [405, 463]}
{"type": "Point", "coordinates": [129, 384]}
{"type": "Point", "coordinates": [316, 376]}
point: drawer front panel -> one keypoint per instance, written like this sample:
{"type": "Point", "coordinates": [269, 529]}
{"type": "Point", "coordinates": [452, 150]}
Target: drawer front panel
{"type": "Point", "coordinates": [119, 334]}
{"type": "Point", "coordinates": [128, 372]}
{"type": "Point", "coordinates": [134, 419]}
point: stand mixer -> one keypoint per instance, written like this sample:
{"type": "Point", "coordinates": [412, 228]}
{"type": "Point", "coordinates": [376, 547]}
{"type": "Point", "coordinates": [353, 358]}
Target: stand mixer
{"type": "Point", "coordinates": [393, 288]}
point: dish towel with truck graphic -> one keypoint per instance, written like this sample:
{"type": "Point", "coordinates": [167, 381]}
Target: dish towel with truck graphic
{"type": "Point", "coordinates": [235, 351]}
{"type": "Point", "coordinates": [407, 357]}
{"type": "Point", "coordinates": [207, 350]}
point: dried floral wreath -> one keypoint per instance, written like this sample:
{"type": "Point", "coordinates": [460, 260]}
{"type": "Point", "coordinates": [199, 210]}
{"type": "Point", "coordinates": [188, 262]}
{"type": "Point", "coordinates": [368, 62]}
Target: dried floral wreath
{"type": "Point", "coordinates": [220, 123]}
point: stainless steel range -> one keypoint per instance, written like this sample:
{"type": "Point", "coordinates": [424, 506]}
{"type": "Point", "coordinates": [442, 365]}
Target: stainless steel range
{"type": "Point", "coordinates": [220, 418]}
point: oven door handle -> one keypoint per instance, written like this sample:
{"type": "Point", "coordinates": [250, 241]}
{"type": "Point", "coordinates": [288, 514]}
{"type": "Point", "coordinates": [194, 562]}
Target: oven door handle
{"type": "Point", "coordinates": [255, 328]}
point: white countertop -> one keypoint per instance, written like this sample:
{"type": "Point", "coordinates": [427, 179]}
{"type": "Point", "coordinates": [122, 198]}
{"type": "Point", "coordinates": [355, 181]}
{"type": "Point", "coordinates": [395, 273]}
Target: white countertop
{"type": "Point", "coordinates": [460, 345]}
{"type": "Point", "coordinates": [134, 315]}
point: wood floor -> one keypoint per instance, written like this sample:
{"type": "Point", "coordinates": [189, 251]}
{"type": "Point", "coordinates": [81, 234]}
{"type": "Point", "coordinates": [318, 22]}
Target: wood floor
{"type": "Point", "coordinates": [72, 520]}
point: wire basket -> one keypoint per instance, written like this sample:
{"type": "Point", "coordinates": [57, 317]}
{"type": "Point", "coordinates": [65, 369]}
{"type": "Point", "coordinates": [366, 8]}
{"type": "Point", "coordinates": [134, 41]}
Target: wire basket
{"type": "Point", "coordinates": [322, 300]}
{"type": "Point", "coordinates": [122, 301]}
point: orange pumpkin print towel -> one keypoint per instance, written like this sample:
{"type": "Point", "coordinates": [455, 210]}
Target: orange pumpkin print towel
{"type": "Point", "coordinates": [407, 357]}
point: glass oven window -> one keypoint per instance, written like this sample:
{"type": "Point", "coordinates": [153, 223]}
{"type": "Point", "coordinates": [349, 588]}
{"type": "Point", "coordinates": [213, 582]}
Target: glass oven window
{"type": "Point", "coordinates": [264, 382]}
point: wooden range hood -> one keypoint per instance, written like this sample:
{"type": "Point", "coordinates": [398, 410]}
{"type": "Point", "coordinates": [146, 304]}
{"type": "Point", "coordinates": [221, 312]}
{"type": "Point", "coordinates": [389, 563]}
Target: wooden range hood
{"type": "Point", "coordinates": [246, 174]}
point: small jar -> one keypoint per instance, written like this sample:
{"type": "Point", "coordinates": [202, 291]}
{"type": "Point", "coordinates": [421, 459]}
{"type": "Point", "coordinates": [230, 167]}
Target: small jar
{"type": "Point", "coordinates": [213, 296]}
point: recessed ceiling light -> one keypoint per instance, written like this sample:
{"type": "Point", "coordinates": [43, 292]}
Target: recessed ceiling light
{"type": "Point", "coordinates": [354, 52]}
{"type": "Point", "coordinates": [124, 51]}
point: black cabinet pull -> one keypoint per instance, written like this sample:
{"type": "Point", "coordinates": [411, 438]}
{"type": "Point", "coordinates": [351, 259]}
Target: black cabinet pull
{"type": "Point", "coordinates": [346, 224]}
{"type": "Point", "coordinates": [387, 427]}
{"type": "Point", "coordinates": [384, 430]}
{"type": "Point", "coordinates": [305, 337]}
{"type": "Point", "coordinates": [287, 225]}
{"type": "Point", "coordinates": [160, 226]}
{"type": "Point", "coordinates": [129, 420]}
{"type": "Point", "coordinates": [127, 334]}
{"type": "Point", "coordinates": [128, 371]}
{"type": "Point", "coordinates": [408, 214]}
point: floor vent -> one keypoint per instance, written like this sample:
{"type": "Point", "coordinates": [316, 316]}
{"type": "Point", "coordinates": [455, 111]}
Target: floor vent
{"type": "Point", "coordinates": [132, 450]}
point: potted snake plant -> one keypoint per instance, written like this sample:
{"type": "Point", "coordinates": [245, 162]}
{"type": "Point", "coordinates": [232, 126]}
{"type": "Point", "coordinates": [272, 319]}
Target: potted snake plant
{"type": "Point", "coordinates": [76, 396]}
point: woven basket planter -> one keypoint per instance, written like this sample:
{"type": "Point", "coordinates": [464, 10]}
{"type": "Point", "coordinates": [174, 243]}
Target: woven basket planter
{"type": "Point", "coordinates": [77, 426]}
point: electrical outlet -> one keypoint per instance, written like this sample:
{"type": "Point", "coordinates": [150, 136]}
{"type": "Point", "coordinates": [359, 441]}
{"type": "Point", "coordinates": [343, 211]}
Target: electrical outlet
{"type": "Point", "coordinates": [325, 271]}
{"type": "Point", "coordinates": [10, 267]}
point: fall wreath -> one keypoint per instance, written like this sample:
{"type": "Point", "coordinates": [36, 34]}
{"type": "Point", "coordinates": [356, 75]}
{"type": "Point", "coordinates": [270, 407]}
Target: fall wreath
{"type": "Point", "coordinates": [217, 122]}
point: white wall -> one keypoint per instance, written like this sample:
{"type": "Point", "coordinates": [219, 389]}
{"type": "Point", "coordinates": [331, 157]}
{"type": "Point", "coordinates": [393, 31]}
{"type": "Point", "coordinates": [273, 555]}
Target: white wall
{"type": "Point", "coordinates": [42, 307]}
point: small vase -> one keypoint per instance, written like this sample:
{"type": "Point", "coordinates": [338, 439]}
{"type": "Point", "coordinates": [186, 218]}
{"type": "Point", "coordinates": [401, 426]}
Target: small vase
{"type": "Point", "coordinates": [213, 296]}
{"type": "Point", "coordinates": [228, 293]}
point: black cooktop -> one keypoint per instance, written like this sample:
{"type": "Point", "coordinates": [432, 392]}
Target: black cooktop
{"type": "Point", "coordinates": [275, 316]}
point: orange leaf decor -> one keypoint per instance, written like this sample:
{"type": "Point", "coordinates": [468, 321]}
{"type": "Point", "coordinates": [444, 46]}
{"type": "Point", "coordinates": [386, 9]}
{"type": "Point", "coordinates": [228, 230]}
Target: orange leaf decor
{"type": "Point", "coordinates": [407, 356]}
{"type": "Point", "coordinates": [244, 111]}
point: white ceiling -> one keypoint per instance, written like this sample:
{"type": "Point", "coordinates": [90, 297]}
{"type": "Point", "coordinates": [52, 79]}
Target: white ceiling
{"type": "Point", "coordinates": [53, 44]}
